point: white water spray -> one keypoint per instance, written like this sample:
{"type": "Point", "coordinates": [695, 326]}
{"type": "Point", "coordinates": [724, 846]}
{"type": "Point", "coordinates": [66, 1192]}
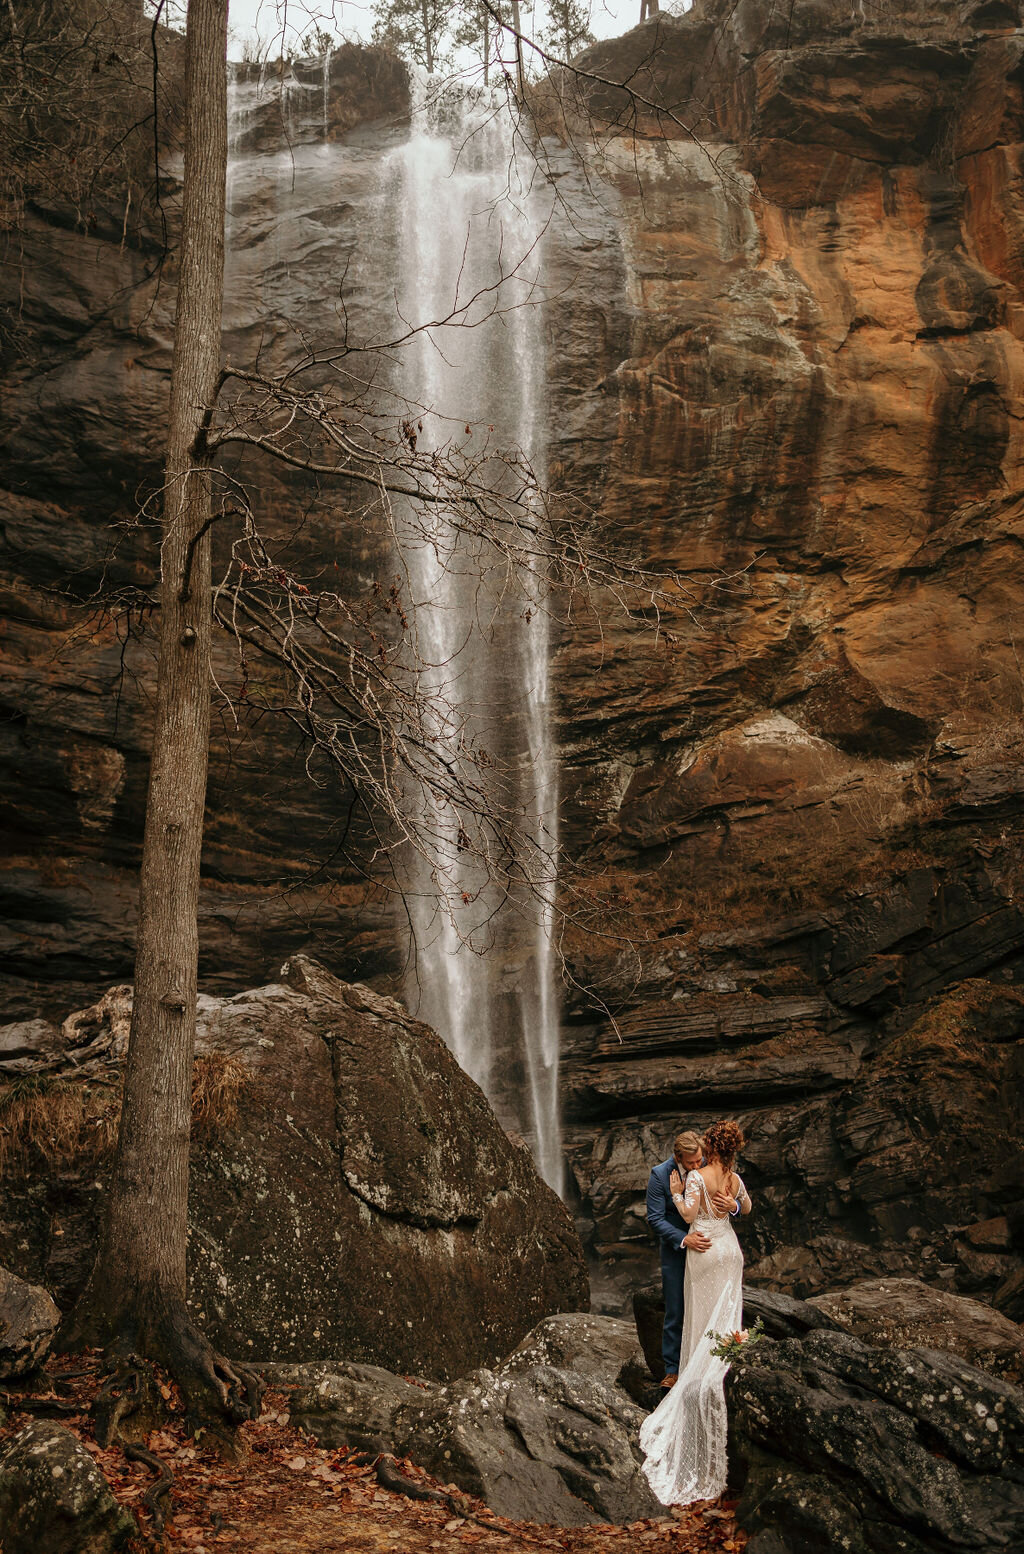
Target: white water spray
{"type": "Point", "coordinates": [469, 252]}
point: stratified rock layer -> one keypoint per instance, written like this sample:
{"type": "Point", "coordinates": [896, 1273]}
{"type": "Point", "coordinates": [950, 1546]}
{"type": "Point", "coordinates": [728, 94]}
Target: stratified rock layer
{"type": "Point", "coordinates": [804, 346]}
{"type": "Point", "coordinates": [365, 1203]}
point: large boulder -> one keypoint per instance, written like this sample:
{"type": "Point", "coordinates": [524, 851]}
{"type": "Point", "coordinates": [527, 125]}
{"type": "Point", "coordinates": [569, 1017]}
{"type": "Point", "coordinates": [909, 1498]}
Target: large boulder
{"type": "Point", "coordinates": [349, 1405]}
{"type": "Point", "coordinates": [54, 1499]}
{"type": "Point", "coordinates": [846, 1446]}
{"type": "Point", "coordinates": [898, 1313]}
{"type": "Point", "coordinates": [602, 1348]}
{"type": "Point", "coordinates": [363, 1202]}
{"type": "Point", "coordinates": [549, 1436]}
{"type": "Point", "coordinates": [539, 1444]}
{"type": "Point", "coordinates": [28, 1322]}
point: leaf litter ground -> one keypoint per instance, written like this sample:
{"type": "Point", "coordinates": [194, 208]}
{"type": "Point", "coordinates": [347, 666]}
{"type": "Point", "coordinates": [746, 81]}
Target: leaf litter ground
{"type": "Point", "coordinates": [288, 1496]}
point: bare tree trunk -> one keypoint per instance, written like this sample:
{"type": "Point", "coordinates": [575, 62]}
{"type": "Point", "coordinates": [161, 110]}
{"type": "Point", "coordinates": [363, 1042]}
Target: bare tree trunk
{"type": "Point", "coordinates": [427, 38]}
{"type": "Point", "coordinates": [147, 1223]}
{"type": "Point", "coordinates": [136, 1293]}
{"type": "Point", "coordinates": [487, 48]}
{"type": "Point", "coordinates": [517, 25]}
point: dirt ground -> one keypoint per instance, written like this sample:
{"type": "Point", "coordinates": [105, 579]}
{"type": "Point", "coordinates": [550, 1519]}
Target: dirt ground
{"type": "Point", "coordinates": [287, 1496]}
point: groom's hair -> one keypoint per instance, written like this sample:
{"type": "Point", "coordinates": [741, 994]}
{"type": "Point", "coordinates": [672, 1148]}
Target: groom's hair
{"type": "Point", "coordinates": [687, 1144]}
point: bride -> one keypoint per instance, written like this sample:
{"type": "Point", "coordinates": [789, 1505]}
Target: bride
{"type": "Point", "coordinates": [684, 1439]}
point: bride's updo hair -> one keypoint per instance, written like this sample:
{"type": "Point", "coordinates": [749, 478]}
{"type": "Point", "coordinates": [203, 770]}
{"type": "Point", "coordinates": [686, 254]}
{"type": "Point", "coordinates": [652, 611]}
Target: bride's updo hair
{"type": "Point", "coordinates": [723, 1141]}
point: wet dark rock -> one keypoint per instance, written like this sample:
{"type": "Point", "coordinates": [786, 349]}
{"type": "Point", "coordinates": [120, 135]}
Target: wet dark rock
{"type": "Point", "coordinates": [363, 86]}
{"type": "Point", "coordinates": [900, 1313]}
{"type": "Point", "coordinates": [348, 1405]}
{"type": "Point", "coordinates": [28, 1323]}
{"type": "Point", "coordinates": [54, 1499]}
{"type": "Point", "coordinates": [781, 1316]}
{"type": "Point", "coordinates": [1009, 1297]}
{"type": "Point", "coordinates": [825, 1262]}
{"type": "Point", "coordinates": [366, 1203]}
{"type": "Point", "coordinates": [862, 1178]}
{"type": "Point", "coordinates": [990, 1235]}
{"type": "Point", "coordinates": [982, 1272]}
{"type": "Point", "coordinates": [649, 1316]}
{"type": "Point", "coordinates": [847, 1446]}
{"type": "Point", "coordinates": [537, 1440]}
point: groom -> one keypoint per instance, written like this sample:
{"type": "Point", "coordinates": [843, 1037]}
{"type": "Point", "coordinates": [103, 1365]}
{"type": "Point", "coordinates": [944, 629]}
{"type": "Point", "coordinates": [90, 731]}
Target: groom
{"type": "Point", "coordinates": [675, 1239]}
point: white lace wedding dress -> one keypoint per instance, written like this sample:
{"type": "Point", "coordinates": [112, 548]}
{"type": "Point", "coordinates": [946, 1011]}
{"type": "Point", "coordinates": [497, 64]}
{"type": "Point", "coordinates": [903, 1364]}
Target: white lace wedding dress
{"type": "Point", "coordinates": [684, 1439]}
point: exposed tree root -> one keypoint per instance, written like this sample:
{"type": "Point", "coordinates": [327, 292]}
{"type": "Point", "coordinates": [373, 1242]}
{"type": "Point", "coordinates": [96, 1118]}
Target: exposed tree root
{"type": "Point", "coordinates": [46, 1408]}
{"type": "Point", "coordinates": [218, 1394]}
{"type": "Point", "coordinates": [390, 1476]}
{"type": "Point", "coordinates": [156, 1492]}
{"type": "Point", "coordinates": [157, 1330]}
{"type": "Point", "coordinates": [128, 1393]}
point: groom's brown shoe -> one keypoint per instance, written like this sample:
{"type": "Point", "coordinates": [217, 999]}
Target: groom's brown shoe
{"type": "Point", "coordinates": [670, 1380]}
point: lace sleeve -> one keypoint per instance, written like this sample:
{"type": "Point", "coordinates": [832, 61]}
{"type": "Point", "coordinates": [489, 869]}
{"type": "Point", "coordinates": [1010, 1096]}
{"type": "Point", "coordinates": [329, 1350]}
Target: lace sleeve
{"type": "Point", "coordinates": [691, 1196]}
{"type": "Point", "coordinates": [741, 1195]}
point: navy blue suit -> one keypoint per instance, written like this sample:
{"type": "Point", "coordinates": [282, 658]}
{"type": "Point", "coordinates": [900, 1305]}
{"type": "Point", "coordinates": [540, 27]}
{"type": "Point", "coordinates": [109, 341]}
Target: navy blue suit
{"type": "Point", "coordinates": [670, 1228]}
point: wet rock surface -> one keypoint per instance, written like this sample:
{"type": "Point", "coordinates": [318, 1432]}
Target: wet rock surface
{"type": "Point", "coordinates": [548, 1436]}
{"type": "Point", "coordinates": [28, 1323]}
{"type": "Point", "coordinates": [55, 1500]}
{"type": "Point", "coordinates": [365, 1202]}
{"type": "Point", "coordinates": [843, 1445]}
{"type": "Point", "coordinates": [902, 1312]}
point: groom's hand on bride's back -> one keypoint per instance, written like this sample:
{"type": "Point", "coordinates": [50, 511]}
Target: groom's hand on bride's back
{"type": "Point", "coordinates": [696, 1241]}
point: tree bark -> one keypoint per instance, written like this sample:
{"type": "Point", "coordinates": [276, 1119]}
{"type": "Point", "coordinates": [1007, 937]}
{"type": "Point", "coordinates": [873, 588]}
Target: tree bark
{"type": "Point", "coordinates": [520, 74]}
{"type": "Point", "coordinates": [147, 1222]}
{"type": "Point", "coordinates": [428, 40]}
{"type": "Point", "coordinates": [136, 1293]}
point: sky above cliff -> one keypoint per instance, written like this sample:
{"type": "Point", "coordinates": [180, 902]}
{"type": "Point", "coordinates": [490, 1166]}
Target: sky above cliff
{"type": "Point", "coordinates": [266, 20]}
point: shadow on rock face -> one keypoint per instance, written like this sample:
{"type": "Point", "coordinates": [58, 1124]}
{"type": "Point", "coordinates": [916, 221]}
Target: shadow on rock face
{"type": "Point", "coordinates": [365, 1202]}
{"type": "Point", "coordinates": [842, 1445]}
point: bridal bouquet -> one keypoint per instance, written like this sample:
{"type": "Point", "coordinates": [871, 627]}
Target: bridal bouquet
{"type": "Point", "coordinates": [733, 1346]}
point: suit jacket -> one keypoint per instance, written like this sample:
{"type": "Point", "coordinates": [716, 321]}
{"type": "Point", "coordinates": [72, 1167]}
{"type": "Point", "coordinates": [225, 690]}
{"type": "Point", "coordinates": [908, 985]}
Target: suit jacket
{"type": "Point", "coordinates": [662, 1215]}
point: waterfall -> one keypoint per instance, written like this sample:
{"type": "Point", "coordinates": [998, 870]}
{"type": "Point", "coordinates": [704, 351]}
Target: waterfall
{"type": "Point", "coordinates": [441, 218]}
{"type": "Point", "coordinates": [327, 93]}
{"type": "Point", "coordinates": [471, 228]}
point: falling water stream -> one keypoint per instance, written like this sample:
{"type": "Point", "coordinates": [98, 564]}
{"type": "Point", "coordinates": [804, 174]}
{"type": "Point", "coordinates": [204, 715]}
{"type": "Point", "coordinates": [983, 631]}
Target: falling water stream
{"type": "Point", "coordinates": [470, 251]}
{"type": "Point", "coordinates": [450, 227]}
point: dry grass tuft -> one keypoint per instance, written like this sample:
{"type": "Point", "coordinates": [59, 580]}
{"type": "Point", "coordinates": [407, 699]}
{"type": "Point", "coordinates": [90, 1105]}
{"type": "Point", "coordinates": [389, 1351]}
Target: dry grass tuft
{"type": "Point", "coordinates": [59, 1120]}
{"type": "Point", "coordinates": [217, 1081]}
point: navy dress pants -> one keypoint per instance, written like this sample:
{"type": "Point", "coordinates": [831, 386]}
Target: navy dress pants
{"type": "Point", "coordinates": [673, 1275]}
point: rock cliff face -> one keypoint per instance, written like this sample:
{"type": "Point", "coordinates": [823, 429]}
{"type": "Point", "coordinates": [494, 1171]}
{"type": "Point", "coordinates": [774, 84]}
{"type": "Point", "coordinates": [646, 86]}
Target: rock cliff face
{"type": "Point", "coordinates": [805, 794]}
{"type": "Point", "coordinates": [786, 363]}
